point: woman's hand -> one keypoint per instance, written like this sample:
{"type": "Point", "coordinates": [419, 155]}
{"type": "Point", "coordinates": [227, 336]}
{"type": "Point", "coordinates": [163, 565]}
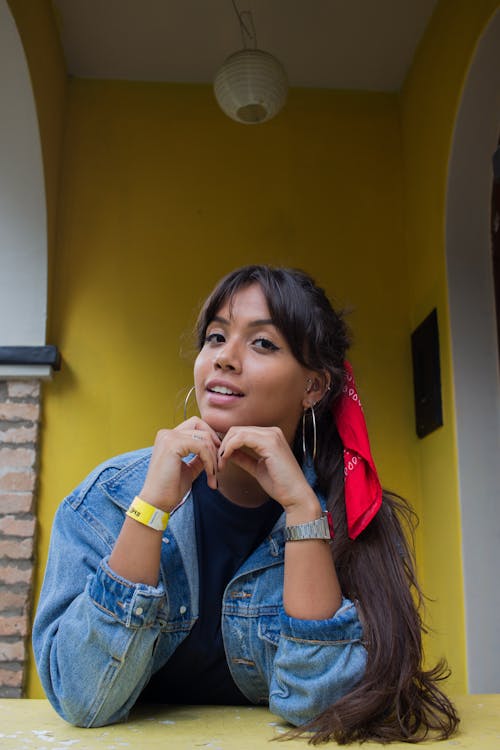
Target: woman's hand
{"type": "Point", "coordinates": [169, 477]}
{"type": "Point", "coordinates": [311, 589]}
{"type": "Point", "coordinates": [265, 454]}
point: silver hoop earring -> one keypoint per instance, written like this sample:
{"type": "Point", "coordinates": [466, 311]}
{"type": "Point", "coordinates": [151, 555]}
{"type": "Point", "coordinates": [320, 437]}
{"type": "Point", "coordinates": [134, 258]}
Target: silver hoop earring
{"type": "Point", "coordinates": [186, 400]}
{"type": "Point", "coordinates": [313, 417]}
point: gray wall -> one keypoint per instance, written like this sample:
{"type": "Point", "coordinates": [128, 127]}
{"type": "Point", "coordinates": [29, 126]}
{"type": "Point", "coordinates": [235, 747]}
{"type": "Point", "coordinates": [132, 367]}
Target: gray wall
{"type": "Point", "coordinates": [475, 355]}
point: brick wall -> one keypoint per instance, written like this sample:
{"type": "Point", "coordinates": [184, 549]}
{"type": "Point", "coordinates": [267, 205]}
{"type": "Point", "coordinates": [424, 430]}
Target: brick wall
{"type": "Point", "coordinates": [19, 421]}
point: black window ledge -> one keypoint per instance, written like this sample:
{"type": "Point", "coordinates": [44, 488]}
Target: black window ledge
{"type": "Point", "coordinates": [31, 355]}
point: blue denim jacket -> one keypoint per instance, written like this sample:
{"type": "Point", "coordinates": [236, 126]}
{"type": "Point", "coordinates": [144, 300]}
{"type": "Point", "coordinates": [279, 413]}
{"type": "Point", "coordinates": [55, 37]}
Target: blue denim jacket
{"type": "Point", "coordinates": [98, 637]}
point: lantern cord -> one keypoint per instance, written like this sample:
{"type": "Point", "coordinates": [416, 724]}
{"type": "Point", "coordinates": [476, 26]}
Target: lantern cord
{"type": "Point", "coordinates": [245, 19]}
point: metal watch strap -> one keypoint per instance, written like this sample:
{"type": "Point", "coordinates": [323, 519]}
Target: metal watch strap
{"type": "Point", "coordinates": [321, 528]}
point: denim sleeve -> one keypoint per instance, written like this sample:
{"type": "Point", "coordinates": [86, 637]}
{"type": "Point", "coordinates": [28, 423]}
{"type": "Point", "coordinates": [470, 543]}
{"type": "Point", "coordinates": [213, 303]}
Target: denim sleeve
{"type": "Point", "coordinates": [316, 664]}
{"type": "Point", "coordinates": [94, 632]}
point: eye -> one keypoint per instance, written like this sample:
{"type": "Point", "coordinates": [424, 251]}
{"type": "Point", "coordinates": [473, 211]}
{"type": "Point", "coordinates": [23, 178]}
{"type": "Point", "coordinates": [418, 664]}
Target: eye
{"type": "Point", "coordinates": [214, 338]}
{"type": "Point", "coordinates": [266, 344]}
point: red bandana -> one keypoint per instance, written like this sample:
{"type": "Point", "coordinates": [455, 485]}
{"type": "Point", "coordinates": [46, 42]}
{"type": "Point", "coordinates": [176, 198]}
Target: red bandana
{"type": "Point", "coordinates": [363, 492]}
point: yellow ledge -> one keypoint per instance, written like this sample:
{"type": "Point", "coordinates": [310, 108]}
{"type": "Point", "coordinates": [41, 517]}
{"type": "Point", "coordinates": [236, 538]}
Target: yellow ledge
{"type": "Point", "coordinates": [26, 724]}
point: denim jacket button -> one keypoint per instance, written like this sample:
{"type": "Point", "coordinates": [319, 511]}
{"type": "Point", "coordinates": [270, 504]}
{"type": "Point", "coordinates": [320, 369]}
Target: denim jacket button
{"type": "Point", "coordinates": [182, 609]}
{"type": "Point", "coordinates": [139, 611]}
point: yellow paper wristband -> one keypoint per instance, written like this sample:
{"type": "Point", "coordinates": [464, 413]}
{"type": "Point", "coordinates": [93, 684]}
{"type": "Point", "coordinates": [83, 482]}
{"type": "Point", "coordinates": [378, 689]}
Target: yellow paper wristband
{"type": "Point", "coordinates": [147, 514]}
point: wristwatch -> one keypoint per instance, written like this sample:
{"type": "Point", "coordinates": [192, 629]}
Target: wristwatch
{"type": "Point", "coordinates": [321, 528]}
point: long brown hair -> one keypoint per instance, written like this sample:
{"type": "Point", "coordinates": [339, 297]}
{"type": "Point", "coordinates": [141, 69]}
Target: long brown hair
{"type": "Point", "coordinates": [396, 699]}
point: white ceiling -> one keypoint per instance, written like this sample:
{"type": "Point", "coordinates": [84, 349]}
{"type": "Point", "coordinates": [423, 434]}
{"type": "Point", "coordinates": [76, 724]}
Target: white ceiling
{"type": "Point", "coordinates": [346, 44]}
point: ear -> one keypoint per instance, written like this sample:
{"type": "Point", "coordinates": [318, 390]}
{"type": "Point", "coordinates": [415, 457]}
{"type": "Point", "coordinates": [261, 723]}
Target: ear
{"type": "Point", "coordinates": [317, 384]}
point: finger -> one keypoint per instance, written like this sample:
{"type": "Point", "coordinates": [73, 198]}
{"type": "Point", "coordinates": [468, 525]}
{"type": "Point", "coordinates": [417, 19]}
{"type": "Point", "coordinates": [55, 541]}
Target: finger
{"type": "Point", "coordinates": [195, 423]}
{"type": "Point", "coordinates": [245, 461]}
{"type": "Point", "coordinates": [201, 444]}
{"type": "Point", "coordinates": [250, 439]}
{"type": "Point", "coordinates": [195, 466]}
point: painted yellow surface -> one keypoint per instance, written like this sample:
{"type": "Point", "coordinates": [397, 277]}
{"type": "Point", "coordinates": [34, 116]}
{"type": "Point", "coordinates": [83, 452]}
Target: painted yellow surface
{"type": "Point", "coordinates": [429, 104]}
{"type": "Point", "coordinates": [161, 195]}
{"type": "Point", "coordinates": [26, 724]}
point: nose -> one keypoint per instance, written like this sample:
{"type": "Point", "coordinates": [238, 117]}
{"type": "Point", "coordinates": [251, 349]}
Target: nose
{"type": "Point", "coordinates": [227, 359]}
{"type": "Point", "coordinates": [222, 364]}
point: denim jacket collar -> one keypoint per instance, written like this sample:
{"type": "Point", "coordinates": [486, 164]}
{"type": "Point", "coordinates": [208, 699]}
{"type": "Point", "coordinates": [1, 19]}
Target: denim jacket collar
{"type": "Point", "coordinates": [122, 487]}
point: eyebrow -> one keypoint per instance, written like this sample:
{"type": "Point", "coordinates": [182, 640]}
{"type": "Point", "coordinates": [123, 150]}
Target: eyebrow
{"type": "Point", "coordinates": [253, 323]}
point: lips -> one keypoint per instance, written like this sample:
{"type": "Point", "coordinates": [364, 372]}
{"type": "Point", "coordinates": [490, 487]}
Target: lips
{"type": "Point", "coordinates": [224, 389]}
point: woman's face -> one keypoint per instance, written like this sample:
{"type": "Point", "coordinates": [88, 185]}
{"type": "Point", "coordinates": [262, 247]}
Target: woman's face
{"type": "Point", "coordinates": [245, 373]}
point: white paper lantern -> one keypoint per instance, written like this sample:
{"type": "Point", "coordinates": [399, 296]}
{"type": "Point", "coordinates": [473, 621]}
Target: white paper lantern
{"type": "Point", "coordinates": [251, 86]}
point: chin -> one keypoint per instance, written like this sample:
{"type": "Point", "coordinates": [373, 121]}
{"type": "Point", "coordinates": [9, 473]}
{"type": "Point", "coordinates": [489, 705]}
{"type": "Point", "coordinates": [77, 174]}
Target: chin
{"type": "Point", "coordinates": [220, 427]}
{"type": "Point", "coordinates": [217, 423]}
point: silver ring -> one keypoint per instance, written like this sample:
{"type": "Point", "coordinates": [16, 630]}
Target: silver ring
{"type": "Point", "coordinates": [197, 437]}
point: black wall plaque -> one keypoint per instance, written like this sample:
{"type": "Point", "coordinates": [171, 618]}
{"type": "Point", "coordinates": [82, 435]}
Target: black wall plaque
{"type": "Point", "coordinates": [427, 376]}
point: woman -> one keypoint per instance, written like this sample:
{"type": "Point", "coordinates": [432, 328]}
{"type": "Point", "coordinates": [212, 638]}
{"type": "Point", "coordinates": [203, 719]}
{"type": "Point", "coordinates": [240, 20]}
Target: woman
{"type": "Point", "coordinates": [243, 597]}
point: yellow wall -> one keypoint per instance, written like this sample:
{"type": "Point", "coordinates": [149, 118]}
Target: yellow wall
{"type": "Point", "coordinates": [161, 194]}
{"type": "Point", "coordinates": [40, 38]}
{"type": "Point", "coordinates": [429, 103]}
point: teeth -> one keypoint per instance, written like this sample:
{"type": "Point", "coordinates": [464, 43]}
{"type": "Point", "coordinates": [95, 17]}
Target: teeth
{"type": "Point", "coordinates": [222, 389]}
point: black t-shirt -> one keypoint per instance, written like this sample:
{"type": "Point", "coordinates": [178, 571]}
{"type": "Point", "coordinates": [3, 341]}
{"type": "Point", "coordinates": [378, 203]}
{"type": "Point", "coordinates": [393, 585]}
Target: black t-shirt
{"type": "Point", "coordinates": [226, 534]}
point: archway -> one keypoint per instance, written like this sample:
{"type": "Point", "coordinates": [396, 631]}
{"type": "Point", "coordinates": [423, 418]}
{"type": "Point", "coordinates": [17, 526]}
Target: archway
{"type": "Point", "coordinates": [474, 352]}
{"type": "Point", "coordinates": [23, 306]}
{"type": "Point", "coordinates": [23, 224]}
